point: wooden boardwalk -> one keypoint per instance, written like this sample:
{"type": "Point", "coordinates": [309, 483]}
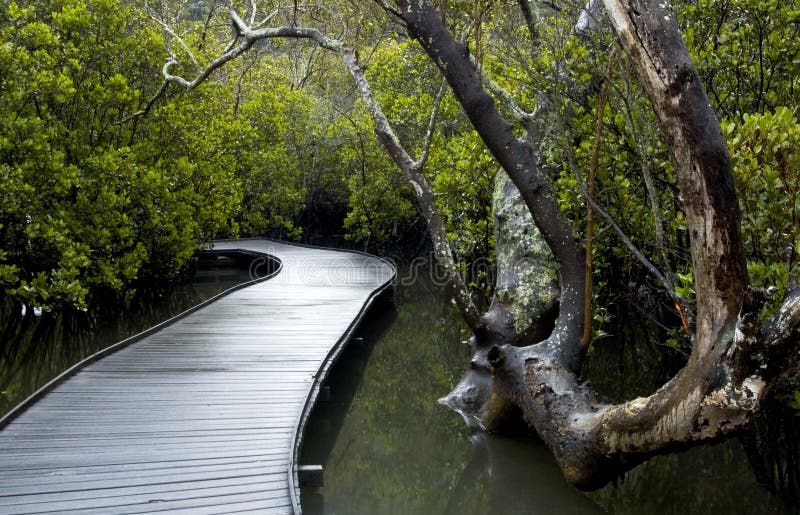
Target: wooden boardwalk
{"type": "Point", "coordinates": [202, 416]}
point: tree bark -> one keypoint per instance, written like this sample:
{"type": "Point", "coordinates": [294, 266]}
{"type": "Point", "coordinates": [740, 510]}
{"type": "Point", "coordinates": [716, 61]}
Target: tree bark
{"type": "Point", "coordinates": [519, 161]}
{"type": "Point", "coordinates": [735, 359]}
{"type": "Point", "coordinates": [733, 362]}
{"type": "Point", "coordinates": [523, 309]}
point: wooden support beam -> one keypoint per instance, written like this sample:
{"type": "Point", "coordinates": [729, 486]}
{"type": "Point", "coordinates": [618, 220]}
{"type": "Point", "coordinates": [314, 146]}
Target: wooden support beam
{"type": "Point", "coordinates": [310, 475]}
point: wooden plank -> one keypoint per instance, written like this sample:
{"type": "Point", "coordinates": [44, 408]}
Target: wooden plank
{"type": "Point", "coordinates": [53, 472]}
{"type": "Point", "coordinates": [75, 481]}
{"type": "Point", "coordinates": [202, 415]}
{"type": "Point", "coordinates": [101, 488]}
{"type": "Point", "coordinates": [142, 502]}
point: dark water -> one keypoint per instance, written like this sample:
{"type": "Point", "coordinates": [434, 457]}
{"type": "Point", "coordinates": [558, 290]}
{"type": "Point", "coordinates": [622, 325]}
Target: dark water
{"type": "Point", "coordinates": [387, 447]}
{"type": "Point", "coordinates": [54, 343]}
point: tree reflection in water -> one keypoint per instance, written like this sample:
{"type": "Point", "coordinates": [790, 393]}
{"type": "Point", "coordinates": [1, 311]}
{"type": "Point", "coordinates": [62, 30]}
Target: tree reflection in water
{"type": "Point", "coordinates": [388, 447]}
{"type": "Point", "coordinates": [396, 450]}
{"type": "Point", "coordinates": [49, 344]}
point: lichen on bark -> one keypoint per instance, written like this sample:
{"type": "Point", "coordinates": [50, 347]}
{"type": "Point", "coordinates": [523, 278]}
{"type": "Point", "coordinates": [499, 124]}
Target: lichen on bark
{"type": "Point", "coordinates": [528, 280]}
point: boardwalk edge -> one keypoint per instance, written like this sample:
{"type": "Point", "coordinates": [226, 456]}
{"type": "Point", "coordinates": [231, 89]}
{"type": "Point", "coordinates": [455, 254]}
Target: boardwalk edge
{"type": "Point", "coordinates": [324, 371]}
{"type": "Point", "coordinates": [20, 408]}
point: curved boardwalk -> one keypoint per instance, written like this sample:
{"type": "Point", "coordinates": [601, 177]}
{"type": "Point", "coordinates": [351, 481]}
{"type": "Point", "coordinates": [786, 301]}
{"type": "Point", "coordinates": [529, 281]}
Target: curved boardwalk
{"type": "Point", "coordinates": [200, 417]}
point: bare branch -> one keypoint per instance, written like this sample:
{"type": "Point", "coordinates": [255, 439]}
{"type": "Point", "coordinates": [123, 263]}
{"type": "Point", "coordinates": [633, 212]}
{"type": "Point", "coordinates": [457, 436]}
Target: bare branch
{"type": "Point", "coordinates": [599, 210]}
{"type": "Point", "coordinates": [422, 192]}
{"type": "Point", "coordinates": [308, 67]}
{"type": "Point", "coordinates": [598, 136]}
{"type": "Point", "coordinates": [180, 40]}
{"type": "Point", "coordinates": [589, 18]}
{"type": "Point", "coordinates": [249, 38]}
{"type": "Point", "coordinates": [271, 15]}
{"type": "Point", "coordinates": [518, 159]}
{"type": "Point", "coordinates": [651, 37]}
{"type": "Point", "coordinates": [238, 22]}
{"type": "Point", "coordinates": [253, 11]}
{"type": "Point", "coordinates": [508, 100]}
{"type": "Point", "coordinates": [420, 164]}
{"type": "Point", "coordinates": [232, 42]}
{"type": "Point", "coordinates": [149, 105]}
{"type": "Point", "coordinates": [204, 33]}
{"type": "Point", "coordinates": [388, 8]}
{"type": "Point", "coordinates": [587, 22]}
{"type": "Point", "coordinates": [242, 75]}
{"type": "Point", "coordinates": [684, 310]}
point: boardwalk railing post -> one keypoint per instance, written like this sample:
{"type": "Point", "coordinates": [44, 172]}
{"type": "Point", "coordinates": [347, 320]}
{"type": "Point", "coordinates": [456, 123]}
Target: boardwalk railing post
{"type": "Point", "coordinates": [310, 476]}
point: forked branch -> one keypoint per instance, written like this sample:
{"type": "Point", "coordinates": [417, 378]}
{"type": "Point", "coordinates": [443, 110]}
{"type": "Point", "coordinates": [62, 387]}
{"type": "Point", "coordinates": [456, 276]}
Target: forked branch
{"type": "Point", "coordinates": [412, 169]}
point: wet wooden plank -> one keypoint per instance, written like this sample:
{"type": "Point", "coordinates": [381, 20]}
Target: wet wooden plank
{"type": "Point", "coordinates": [201, 416]}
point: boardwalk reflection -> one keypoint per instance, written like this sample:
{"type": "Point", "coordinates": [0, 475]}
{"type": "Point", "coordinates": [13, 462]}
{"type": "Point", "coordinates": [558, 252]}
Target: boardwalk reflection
{"type": "Point", "coordinates": [397, 451]}
{"type": "Point", "coordinates": [50, 344]}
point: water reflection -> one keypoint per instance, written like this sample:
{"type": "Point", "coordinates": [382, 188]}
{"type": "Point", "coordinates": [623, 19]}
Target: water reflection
{"type": "Point", "coordinates": [51, 344]}
{"type": "Point", "coordinates": [396, 450]}
{"type": "Point", "coordinates": [702, 479]}
{"type": "Point", "coordinates": [388, 448]}
{"type": "Point", "coordinates": [705, 479]}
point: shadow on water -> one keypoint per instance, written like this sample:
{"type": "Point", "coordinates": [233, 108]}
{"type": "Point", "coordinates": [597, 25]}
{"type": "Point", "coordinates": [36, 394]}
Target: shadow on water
{"type": "Point", "coordinates": [51, 344]}
{"type": "Point", "coordinates": [703, 479]}
{"type": "Point", "coordinates": [387, 447]}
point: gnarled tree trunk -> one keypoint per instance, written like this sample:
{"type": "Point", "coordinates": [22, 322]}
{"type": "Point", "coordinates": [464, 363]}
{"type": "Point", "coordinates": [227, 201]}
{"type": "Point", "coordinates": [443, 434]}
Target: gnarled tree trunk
{"type": "Point", "coordinates": [523, 309]}
{"type": "Point", "coordinates": [734, 360]}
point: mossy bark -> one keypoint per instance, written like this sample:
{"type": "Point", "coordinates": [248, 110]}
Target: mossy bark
{"type": "Point", "coordinates": [735, 361]}
{"type": "Point", "coordinates": [523, 310]}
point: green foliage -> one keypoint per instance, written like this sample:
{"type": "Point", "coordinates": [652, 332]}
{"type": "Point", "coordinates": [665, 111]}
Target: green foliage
{"type": "Point", "coordinates": [277, 141]}
{"type": "Point", "coordinates": [629, 147]}
{"type": "Point", "coordinates": [464, 183]}
{"type": "Point", "coordinates": [746, 52]}
{"type": "Point", "coordinates": [765, 150]}
{"type": "Point", "coordinates": [460, 169]}
{"type": "Point", "coordinates": [273, 146]}
{"type": "Point", "coordinates": [794, 400]}
{"type": "Point", "coordinates": [380, 202]}
{"type": "Point", "coordinates": [93, 202]}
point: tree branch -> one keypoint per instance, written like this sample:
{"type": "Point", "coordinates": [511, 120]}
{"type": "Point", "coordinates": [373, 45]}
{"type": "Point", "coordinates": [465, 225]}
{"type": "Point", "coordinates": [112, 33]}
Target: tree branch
{"type": "Point", "coordinates": [150, 103]}
{"type": "Point", "coordinates": [180, 40]}
{"type": "Point", "coordinates": [422, 192]}
{"type": "Point", "coordinates": [610, 219]}
{"type": "Point", "coordinates": [530, 20]}
{"type": "Point", "coordinates": [648, 31]}
{"type": "Point", "coordinates": [420, 164]}
{"type": "Point", "coordinates": [588, 20]}
{"type": "Point", "coordinates": [681, 305]}
{"type": "Point", "coordinates": [388, 8]}
{"type": "Point", "coordinates": [518, 160]}
{"type": "Point", "coordinates": [521, 115]}
{"type": "Point", "coordinates": [383, 129]}
{"type": "Point", "coordinates": [253, 11]}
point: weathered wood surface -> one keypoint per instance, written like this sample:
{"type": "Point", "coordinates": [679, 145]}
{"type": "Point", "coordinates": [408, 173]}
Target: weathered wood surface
{"type": "Point", "coordinates": [200, 417]}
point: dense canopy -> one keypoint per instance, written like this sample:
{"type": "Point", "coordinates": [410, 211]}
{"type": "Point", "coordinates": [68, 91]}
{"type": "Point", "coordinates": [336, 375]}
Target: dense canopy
{"type": "Point", "coordinates": [560, 159]}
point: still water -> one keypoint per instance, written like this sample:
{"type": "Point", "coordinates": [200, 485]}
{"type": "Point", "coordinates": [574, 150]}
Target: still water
{"type": "Point", "coordinates": [388, 447]}
{"type": "Point", "coordinates": [51, 344]}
